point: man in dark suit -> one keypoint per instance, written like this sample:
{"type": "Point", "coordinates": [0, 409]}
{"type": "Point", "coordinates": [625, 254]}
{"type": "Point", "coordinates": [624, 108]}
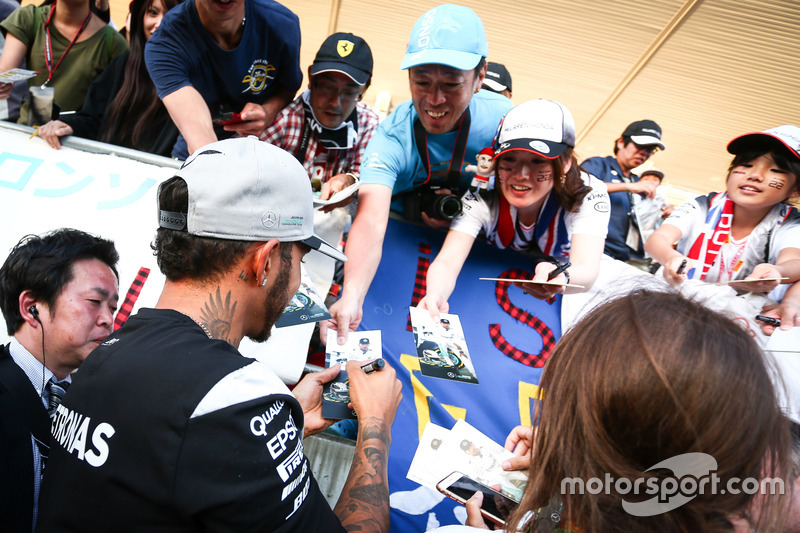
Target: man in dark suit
{"type": "Point", "coordinates": [58, 294]}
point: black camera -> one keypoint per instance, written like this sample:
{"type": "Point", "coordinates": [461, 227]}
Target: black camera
{"type": "Point", "coordinates": [439, 206]}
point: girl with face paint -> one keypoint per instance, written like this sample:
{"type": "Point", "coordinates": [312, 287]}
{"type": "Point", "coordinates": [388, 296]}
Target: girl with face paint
{"type": "Point", "coordinates": [543, 205]}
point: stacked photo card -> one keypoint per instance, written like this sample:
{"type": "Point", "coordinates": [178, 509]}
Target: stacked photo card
{"type": "Point", "coordinates": [305, 306]}
{"type": "Point", "coordinates": [464, 449]}
{"type": "Point", "coordinates": [441, 347]}
{"type": "Point", "coordinates": [360, 346]}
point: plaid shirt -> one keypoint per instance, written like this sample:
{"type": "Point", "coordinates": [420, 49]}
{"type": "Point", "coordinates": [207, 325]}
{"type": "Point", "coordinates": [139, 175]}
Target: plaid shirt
{"type": "Point", "coordinates": [286, 132]}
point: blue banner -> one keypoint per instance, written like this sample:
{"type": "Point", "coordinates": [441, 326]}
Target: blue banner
{"type": "Point", "coordinates": [502, 327]}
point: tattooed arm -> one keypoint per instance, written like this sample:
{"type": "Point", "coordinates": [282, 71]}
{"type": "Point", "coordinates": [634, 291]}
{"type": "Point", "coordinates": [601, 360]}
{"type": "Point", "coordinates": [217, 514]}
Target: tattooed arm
{"type": "Point", "coordinates": [364, 502]}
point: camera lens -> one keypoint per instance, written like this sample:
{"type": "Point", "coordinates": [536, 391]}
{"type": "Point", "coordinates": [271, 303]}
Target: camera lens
{"type": "Point", "coordinates": [447, 206]}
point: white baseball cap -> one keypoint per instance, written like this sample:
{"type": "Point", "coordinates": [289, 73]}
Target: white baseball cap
{"type": "Point", "coordinates": [247, 190]}
{"type": "Point", "coordinates": [787, 135]}
{"type": "Point", "coordinates": [544, 127]}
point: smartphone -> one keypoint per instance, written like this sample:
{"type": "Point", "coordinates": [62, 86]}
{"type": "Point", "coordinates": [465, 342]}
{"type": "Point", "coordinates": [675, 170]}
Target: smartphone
{"type": "Point", "coordinates": [226, 118]}
{"type": "Point", "coordinates": [496, 507]}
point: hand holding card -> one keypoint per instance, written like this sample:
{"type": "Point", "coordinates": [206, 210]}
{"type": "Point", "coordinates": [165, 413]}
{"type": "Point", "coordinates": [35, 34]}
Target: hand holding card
{"type": "Point", "coordinates": [362, 346]}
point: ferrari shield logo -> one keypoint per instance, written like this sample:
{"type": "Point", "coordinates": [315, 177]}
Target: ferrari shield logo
{"type": "Point", "coordinates": [344, 48]}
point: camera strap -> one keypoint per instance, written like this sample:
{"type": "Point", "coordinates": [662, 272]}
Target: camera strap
{"type": "Point", "coordinates": [460, 148]}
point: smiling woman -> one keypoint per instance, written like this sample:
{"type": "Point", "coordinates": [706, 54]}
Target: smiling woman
{"type": "Point", "coordinates": [543, 205]}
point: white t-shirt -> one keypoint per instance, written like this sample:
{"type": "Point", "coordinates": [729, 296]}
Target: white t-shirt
{"type": "Point", "coordinates": [736, 259]}
{"type": "Point", "coordinates": [482, 212]}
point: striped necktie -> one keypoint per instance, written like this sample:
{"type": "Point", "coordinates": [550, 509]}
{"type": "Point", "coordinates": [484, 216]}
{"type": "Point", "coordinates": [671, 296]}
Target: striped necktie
{"type": "Point", "coordinates": [56, 391]}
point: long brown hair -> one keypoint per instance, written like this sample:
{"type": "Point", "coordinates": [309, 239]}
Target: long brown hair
{"type": "Point", "coordinates": [136, 108]}
{"type": "Point", "coordinates": [640, 380]}
{"type": "Point", "coordinates": [572, 190]}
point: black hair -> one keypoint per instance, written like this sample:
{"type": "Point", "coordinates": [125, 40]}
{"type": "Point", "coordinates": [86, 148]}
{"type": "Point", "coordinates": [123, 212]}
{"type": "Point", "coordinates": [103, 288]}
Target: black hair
{"type": "Point", "coordinates": [626, 139]}
{"type": "Point", "coordinates": [181, 255]}
{"type": "Point", "coordinates": [481, 64]}
{"type": "Point", "coordinates": [136, 109]}
{"type": "Point", "coordinates": [44, 266]}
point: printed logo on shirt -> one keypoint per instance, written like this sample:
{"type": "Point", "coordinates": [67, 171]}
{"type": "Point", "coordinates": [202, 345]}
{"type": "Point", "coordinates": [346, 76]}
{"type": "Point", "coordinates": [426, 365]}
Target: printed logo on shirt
{"type": "Point", "coordinates": [277, 444]}
{"type": "Point", "coordinates": [288, 465]}
{"type": "Point", "coordinates": [373, 160]}
{"type": "Point", "coordinates": [72, 431]}
{"type": "Point", "coordinates": [257, 77]}
{"type": "Point", "coordinates": [288, 489]}
{"type": "Point", "coordinates": [258, 424]}
{"type": "Point", "coordinates": [301, 497]}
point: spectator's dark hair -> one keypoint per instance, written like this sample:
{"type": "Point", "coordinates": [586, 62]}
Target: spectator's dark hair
{"type": "Point", "coordinates": [784, 159]}
{"type": "Point", "coordinates": [44, 266]}
{"type": "Point", "coordinates": [136, 109]}
{"type": "Point", "coordinates": [181, 255]}
{"type": "Point", "coordinates": [572, 190]}
{"type": "Point", "coordinates": [481, 64]}
{"type": "Point", "coordinates": [626, 139]}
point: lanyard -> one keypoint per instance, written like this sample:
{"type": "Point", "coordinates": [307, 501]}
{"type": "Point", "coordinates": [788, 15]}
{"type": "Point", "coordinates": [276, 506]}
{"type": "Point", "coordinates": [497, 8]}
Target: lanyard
{"type": "Point", "coordinates": [421, 138]}
{"type": "Point", "coordinates": [731, 270]}
{"type": "Point", "coordinates": [48, 46]}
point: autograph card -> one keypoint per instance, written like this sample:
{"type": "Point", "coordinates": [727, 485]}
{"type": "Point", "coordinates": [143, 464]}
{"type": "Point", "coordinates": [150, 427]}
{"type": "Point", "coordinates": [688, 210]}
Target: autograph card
{"type": "Point", "coordinates": [465, 449]}
{"type": "Point", "coordinates": [428, 466]}
{"type": "Point", "coordinates": [338, 197]}
{"type": "Point", "coordinates": [360, 346]}
{"type": "Point", "coordinates": [306, 305]}
{"type": "Point", "coordinates": [481, 458]}
{"type": "Point", "coordinates": [441, 347]}
{"type": "Point", "coordinates": [17, 74]}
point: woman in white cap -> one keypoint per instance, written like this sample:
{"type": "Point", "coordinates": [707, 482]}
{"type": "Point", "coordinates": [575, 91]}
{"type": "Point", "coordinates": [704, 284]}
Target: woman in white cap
{"type": "Point", "coordinates": [748, 232]}
{"type": "Point", "coordinates": [543, 206]}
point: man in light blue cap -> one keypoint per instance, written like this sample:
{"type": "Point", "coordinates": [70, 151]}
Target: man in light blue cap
{"type": "Point", "coordinates": [420, 150]}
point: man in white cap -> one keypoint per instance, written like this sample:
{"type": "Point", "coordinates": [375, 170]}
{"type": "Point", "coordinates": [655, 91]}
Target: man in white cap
{"type": "Point", "coordinates": [170, 428]}
{"type": "Point", "coordinates": [422, 147]}
{"type": "Point", "coordinates": [327, 128]}
{"type": "Point", "coordinates": [638, 142]}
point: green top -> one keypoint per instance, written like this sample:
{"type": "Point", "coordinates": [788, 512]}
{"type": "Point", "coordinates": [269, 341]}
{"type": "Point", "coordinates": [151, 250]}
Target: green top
{"type": "Point", "coordinates": [84, 62]}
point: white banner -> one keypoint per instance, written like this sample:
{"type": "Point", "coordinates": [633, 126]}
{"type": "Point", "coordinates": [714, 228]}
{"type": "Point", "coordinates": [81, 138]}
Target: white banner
{"type": "Point", "coordinates": [114, 196]}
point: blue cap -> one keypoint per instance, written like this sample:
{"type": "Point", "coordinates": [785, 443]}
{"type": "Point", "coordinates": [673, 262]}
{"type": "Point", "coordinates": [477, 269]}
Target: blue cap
{"type": "Point", "coordinates": [447, 35]}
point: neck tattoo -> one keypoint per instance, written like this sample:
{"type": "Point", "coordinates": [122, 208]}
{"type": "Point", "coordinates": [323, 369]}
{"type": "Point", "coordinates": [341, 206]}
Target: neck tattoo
{"type": "Point", "coordinates": [202, 326]}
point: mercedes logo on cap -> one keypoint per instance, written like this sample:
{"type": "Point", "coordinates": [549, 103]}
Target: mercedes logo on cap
{"type": "Point", "coordinates": [269, 219]}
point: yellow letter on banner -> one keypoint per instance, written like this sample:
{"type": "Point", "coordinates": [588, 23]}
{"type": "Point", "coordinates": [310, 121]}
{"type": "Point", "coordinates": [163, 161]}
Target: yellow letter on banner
{"type": "Point", "coordinates": [527, 392]}
{"type": "Point", "coordinates": [421, 395]}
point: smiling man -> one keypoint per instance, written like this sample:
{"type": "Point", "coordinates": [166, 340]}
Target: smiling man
{"type": "Point", "coordinates": [58, 294]}
{"type": "Point", "coordinates": [424, 144]}
{"type": "Point", "coordinates": [327, 127]}
{"type": "Point", "coordinates": [638, 142]}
